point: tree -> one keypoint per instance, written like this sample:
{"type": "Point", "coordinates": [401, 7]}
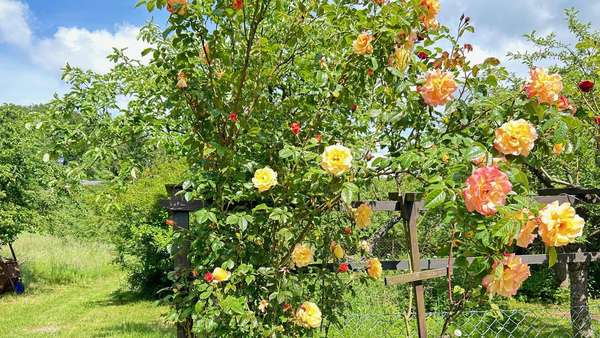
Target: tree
{"type": "Point", "coordinates": [28, 181]}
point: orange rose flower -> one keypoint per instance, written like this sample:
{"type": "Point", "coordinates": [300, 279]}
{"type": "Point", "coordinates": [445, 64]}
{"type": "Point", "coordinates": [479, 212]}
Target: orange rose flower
{"type": "Point", "coordinates": [515, 138]}
{"type": "Point", "coordinates": [559, 224]}
{"type": "Point", "coordinates": [438, 88]}
{"type": "Point", "coordinates": [507, 276]}
{"type": "Point", "coordinates": [544, 87]}
{"type": "Point", "coordinates": [431, 9]}
{"type": "Point", "coordinates": [486, 189]}
{"type": "Point", "coordinates": [362, 44]}
{"type": "Point", "coordinates": [528, 226]}
{"type": "Point", "coordinates": [177, 6]}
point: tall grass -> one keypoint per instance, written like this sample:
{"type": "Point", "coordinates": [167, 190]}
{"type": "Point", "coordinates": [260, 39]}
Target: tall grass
{"type": "Point", "coordinates": [49, 260]}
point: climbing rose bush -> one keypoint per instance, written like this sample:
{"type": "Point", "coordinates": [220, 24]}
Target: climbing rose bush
{"type": "Point", "coordinates": [282, 106]}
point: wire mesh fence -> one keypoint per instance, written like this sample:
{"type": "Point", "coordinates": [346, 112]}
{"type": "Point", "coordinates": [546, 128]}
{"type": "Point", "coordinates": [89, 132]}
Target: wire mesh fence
{"type": "Point", "coordinates": [530, 321]}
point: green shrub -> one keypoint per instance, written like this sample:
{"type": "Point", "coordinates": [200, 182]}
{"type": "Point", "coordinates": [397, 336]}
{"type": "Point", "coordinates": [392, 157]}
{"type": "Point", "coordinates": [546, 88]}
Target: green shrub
{"type": "Point", "coordinates": [542, 286]}
{"type": "Point", "coordinates": [140, 234]}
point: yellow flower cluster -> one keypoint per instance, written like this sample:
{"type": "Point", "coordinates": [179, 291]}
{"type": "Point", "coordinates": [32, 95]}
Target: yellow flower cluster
{"type": "Point", "coordinates": [302, 255]}
{"type": "Point", "coordinates": [401, 58]}
{"type": "Point", "coordinates": [220, 275]}
{"type": "Point", "coordinates": [337, 250]}
{"type": "Point", "coordinates": [264, 179]}
{"type": "Point", "coordinates": [362, 44]}
{"type": "Point", "coordinates": [374, 268]}
{"type": "Point", "coordinates": [362, 216]}
{"type": "Point", "coordinates": [308, 315]}
{"type": "Point", "coordinates": [515, 138]}
{"type": "Point", "coordinates": [559, 224]}
{"type": "Point", "coordinates": [336, 159]}
{"type": "Point", "coordinates": [544, 87]}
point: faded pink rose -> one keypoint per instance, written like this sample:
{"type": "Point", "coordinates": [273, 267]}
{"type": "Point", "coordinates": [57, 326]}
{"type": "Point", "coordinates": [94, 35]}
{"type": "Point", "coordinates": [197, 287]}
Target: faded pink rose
{"type": "Point", "coordinates": [486, 189]}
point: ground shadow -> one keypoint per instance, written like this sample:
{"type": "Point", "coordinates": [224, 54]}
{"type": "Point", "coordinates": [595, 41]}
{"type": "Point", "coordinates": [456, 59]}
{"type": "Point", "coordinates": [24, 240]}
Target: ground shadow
{"type": "Point", "coordinates": [136, 329]}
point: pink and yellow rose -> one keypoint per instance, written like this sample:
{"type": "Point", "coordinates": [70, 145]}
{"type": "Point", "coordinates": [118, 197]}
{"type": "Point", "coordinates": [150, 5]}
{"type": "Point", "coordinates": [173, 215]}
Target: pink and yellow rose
{"type": "Point", "coordinates": [528, 225]}
{"type": "Point", "coordinates": [560, 224]}
{"type": "Point", "coordinates": [515, 138]}
{"type": "Point", "coordinates": [486, 189]}
{"type": "Point", "coordinates": [506, 276]}
{"type": "Point", "coordinates": [438, 89]}
{"type": "Point", "coordinates": [544, 87]}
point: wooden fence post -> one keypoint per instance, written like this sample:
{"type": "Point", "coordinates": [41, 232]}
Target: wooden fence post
{"type": "Point", "coordinates": [179, 210]}
{"type": "Point", "coordinates": [411, 214]}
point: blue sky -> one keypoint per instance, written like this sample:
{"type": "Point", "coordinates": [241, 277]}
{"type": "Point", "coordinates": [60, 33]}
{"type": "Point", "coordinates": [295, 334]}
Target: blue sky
{"type": "Point", "coordinates": [38, 36]}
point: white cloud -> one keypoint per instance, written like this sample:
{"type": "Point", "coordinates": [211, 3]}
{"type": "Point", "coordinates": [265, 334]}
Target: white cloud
{"type": "Point", "coordinates": [86, 49]}
{"type": "Point", "coordinates": [14, 28]}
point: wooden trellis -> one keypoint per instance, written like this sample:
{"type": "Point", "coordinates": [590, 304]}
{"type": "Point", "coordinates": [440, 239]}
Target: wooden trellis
{"type": "Point", "coordinates": [409, 205]}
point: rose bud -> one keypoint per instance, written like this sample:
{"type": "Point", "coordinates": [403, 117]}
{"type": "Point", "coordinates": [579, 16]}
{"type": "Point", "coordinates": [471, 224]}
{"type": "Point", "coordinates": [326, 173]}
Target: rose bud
{"type": "Point", "coordinates": [347, 230]}
{"type": "Point", "coordinates": [353, 107]}
{"type": "Point", "coordinates": [286, 307]}
{"type": "Point", "coordinates": [170, 222]}
{"type": "Point", "coordinates": [318, 137]}
{"type": "Point", "coordinates": [233, 117]}
{"type": "Point", "coordinates": [370, 72]}
{"type": "Point", "coordinates": [586, 86]}
{"type": "Point", "coordinates": [295, 127]}
{"type": "Point", "coordinates": [343, 267]}
{"type": "Point", "coordinates": [237, 4]}
{"type": "Point", "coordinates": [422, 55]}
{"type": "Point", "coordinates": [597, 119]}
{"type": "Point", "coordinates": [208, 277]}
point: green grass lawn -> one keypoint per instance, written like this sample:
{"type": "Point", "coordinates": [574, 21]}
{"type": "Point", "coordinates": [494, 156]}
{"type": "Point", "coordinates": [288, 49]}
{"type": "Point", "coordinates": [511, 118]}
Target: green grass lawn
{"type": "Point", "coordinates": [73, 290]}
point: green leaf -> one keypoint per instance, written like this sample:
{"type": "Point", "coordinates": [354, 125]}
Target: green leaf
{"type": "Point", "coordinates": [435, 198]}
{"type": "Point", "coordinates": [552, 256]}
{"type": "Point", "coordinates": [348, 191]}
{"type": "Point", "coordinates": [233, 304]}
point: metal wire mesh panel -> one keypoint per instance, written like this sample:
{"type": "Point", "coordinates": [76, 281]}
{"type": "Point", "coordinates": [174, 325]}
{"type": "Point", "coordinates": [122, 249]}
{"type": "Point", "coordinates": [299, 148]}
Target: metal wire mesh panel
{"type": "Point", "coordinates": [550, 321]}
